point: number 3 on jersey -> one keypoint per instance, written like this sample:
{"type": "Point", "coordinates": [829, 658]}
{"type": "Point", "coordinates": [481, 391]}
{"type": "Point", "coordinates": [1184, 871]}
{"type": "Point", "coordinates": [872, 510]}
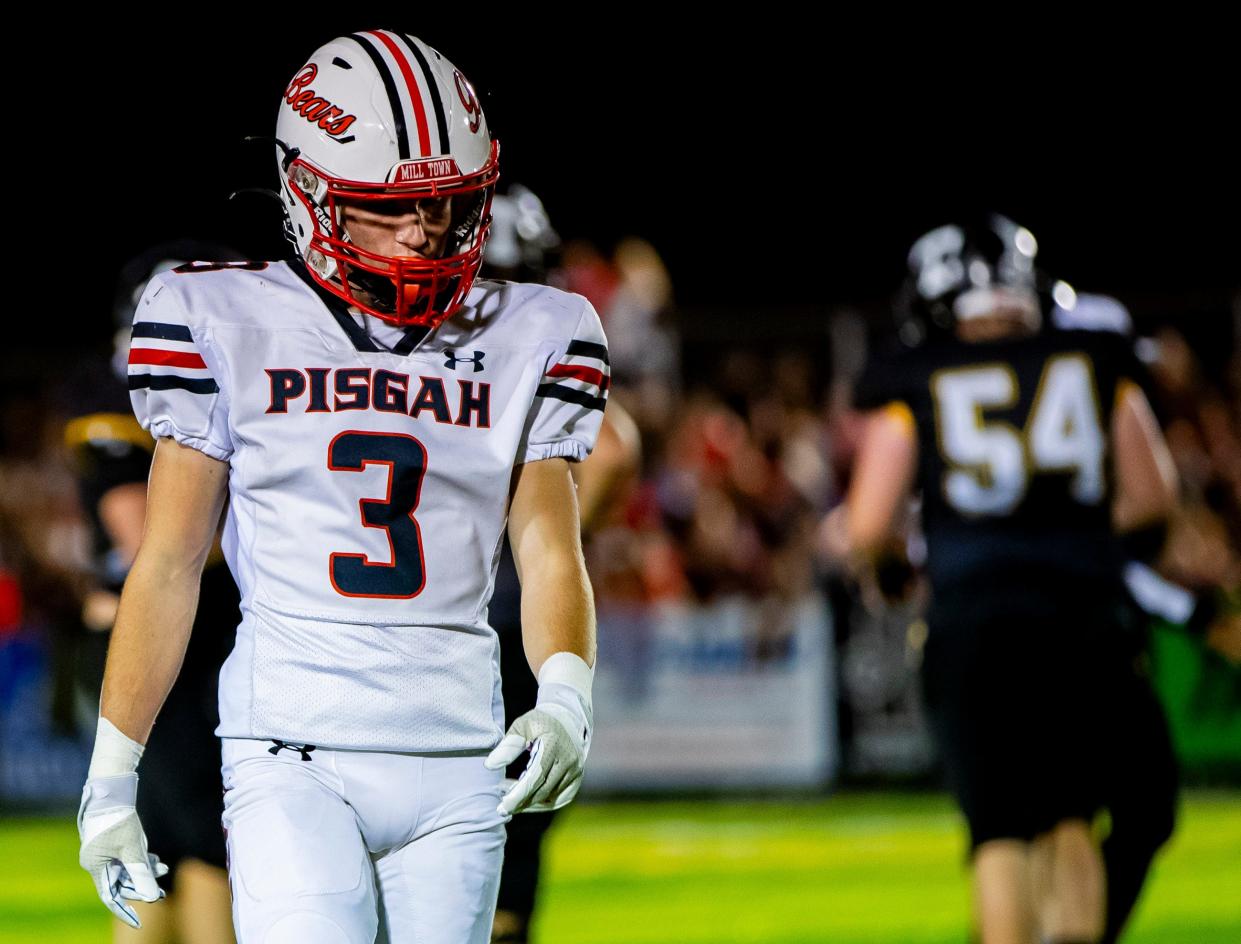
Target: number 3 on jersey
{"type": "Point", "coordinates": [991, 463]}
{"type": "Point", "coordinates": [353, 575]}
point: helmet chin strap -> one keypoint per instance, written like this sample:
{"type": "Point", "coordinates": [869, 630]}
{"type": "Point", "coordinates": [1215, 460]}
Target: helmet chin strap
{"type": "Point", "coordinates": [380, 290]}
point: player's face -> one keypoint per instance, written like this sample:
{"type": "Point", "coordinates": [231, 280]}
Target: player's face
{"type": "Point", "coordinates": [991, 313]}
{"type": "Point", "coordinates": [410, 229]}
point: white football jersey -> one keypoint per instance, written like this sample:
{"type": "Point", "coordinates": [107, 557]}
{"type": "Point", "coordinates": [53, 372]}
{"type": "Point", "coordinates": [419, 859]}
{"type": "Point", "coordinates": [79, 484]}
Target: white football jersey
{"type": "Point", "coordinates": [368, 488]}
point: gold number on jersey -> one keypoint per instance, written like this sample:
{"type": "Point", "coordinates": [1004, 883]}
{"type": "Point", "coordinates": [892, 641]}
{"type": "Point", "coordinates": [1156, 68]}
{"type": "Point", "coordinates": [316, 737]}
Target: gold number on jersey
{"type": "Point", "coordinates": [991, 462]}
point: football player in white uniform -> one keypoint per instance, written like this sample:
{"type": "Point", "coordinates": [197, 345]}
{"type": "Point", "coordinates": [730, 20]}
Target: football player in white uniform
{"type": "Point", "coordinates": [375, 416]}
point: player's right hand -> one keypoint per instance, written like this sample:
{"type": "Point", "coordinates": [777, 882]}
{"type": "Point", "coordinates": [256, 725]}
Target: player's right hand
{"type": "Point", "coordinates": [556, 732]}
{"type": "Point", "coordinates": [114, 847]}
{"type": "Point", "coordinates": [558, 740]}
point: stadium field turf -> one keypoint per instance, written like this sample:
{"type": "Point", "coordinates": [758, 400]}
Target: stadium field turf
{"type": "Point", "coordinates": [846, 870]}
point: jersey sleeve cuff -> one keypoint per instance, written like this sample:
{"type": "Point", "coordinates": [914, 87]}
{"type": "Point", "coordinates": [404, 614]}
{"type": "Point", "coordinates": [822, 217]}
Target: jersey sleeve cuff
{"type": "Point", "coordinates": [569, 449]}
{"type": "Point", "coordinates": [163, 429]}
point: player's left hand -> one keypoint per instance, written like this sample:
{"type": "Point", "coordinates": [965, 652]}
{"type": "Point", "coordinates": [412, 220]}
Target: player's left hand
{"type": "Point", "coordinates": [556, 732]}
{"type": "Point", "coordinates": [114, 847]}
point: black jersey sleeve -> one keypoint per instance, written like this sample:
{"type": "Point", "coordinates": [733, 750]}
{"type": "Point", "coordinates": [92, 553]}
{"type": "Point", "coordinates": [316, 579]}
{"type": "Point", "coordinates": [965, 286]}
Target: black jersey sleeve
{"type": "Point", "coordinates": [1130, 367]}
{"type": "Point", "coordinates": [1116, 364]}
{"type": "Point", "coordinates": [883, 381]}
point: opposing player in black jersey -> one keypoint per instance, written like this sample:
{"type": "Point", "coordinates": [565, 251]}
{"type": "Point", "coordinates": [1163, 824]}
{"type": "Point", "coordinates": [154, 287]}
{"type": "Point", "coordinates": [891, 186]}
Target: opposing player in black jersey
{"type": "Point", "coordinates": [522, 248]}
{"type": "Point", "coordinates": [181, 807]}
{"type": "Point", "coordinates": [1140, 780]}
{"type": "Point", "coordinates": [1032, 449]}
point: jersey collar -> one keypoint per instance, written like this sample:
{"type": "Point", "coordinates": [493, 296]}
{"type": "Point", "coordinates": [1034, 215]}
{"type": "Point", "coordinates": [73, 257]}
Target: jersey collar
{"type": "Point", "coordinates": [360, 340]}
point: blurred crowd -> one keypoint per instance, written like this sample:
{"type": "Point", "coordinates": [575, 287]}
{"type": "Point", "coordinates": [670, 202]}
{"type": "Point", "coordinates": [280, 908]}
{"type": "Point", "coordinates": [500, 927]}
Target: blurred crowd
{"type": "Point", "coordinates": [737, 462]}
{"type": "Point", "coordinates": [744, 448]}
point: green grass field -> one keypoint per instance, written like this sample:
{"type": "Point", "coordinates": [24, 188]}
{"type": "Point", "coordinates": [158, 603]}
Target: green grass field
{"type": "Point", "coordinates": [847, 870]}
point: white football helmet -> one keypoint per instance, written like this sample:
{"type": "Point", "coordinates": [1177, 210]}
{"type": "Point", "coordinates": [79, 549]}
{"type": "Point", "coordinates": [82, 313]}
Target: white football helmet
{"type": "Point", "coordinates": [380, 115]}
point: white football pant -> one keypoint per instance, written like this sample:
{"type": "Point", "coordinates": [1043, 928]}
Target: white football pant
{"type": "Point", "coordinates": [321, 849]}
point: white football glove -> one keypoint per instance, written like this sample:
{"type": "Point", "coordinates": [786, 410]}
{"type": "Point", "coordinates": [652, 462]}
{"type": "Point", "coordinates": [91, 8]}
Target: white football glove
{"type": "Point", "coordinates": [556, 732]}
{"type": "Point", "coordinates": [114, 847]}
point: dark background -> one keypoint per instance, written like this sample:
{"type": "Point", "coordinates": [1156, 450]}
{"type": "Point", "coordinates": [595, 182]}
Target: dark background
{"type": "Point", "coordinates": [778, 168]}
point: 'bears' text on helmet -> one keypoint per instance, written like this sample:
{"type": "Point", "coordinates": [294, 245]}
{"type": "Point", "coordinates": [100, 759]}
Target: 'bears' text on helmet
{"type": "Point", "coordinates": [376, 119]}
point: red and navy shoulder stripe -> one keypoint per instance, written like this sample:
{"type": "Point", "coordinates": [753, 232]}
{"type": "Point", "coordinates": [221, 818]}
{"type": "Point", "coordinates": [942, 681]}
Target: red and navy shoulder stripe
{"type": "Point", "coordinates": [163, 357]}
{"type": "Point", "coordinates": [582, 376]}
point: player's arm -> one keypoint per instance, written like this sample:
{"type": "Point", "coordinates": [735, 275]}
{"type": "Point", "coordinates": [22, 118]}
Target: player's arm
{"type": "Point", "coordinates": [185, 496]}
{"type": "Point", "coordinates": [122, 511]}
{"type": "Point", "coordinates": [112, 455]}
{"type": "Point", "coordinates": [1146, 497]}
{"type": "Point", "coordinates": [1146, 480]}
{"type": "Point", "coordinates": [558, 631]}
{"type": "Point", "coordinates": [882, 478]}
{"type": "Point", "coordinates": [557, 606]}
{"type": "Point", "coordinates": [615, 460]}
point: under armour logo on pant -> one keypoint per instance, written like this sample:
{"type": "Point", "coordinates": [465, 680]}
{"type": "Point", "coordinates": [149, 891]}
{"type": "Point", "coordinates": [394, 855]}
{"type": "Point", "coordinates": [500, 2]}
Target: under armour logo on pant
{"type": "Point", "coordinates": [452, 360]}
{"type": "Point", "coordinates": [303, 749]}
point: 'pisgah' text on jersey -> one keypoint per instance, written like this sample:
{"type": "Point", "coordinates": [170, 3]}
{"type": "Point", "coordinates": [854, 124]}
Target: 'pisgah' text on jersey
{"type": "Point", "coordinates": [334, 390]}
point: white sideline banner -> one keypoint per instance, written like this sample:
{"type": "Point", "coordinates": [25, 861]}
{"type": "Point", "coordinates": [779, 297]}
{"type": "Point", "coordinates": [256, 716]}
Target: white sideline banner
{"type": "Point", "coordinates": [738, 695]}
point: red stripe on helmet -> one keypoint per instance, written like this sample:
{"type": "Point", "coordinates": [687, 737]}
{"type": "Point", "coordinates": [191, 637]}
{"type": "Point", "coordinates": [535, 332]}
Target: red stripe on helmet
{"type": "Point", "coordinates": [149, 355]}
{"type": "Point", "coordinates": [415, 96]}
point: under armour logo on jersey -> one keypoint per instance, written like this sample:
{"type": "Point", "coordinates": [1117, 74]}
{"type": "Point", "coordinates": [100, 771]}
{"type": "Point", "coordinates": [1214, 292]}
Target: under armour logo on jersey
{"type": "Point", "coordinates": [452, 360]}
{"type": "Point", "coordinates": [303, 749]}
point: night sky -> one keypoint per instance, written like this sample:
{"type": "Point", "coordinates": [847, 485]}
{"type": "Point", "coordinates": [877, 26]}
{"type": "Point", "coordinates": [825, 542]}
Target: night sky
{"type": "Point", "coordinates": [774, 169]}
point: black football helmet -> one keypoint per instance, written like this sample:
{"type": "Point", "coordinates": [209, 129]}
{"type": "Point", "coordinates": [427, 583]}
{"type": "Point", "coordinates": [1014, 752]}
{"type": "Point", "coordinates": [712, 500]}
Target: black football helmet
{"type": "Point", "coordinates": [963, 270]}
{"type": "Point", "coordinates": [523, 246]}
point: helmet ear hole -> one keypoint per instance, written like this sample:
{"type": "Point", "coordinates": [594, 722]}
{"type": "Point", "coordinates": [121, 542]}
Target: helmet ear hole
{"type": "Point", "coordinates": [467, 214]}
